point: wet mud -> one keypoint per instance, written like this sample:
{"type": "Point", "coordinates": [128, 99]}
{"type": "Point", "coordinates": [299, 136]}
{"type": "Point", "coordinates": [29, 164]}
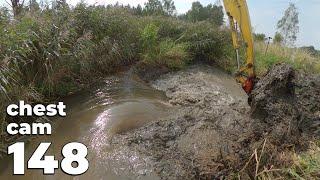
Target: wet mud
{"type": "Point", "coordinates": [213, 131]}
{"type": "Point", "coordinates": [286, 105]}
{"type": "Point", "coordinates": [202, 136]}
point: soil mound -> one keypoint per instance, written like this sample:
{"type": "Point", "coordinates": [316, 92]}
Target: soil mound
{"type": "Point", "coordinates": [307, 93]}
{"type": "Point", "coordinates": [286, 104]}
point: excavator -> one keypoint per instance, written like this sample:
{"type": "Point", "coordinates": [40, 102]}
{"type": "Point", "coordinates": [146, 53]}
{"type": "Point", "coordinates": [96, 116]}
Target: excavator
{"type": "Point", "coordinates": [240, 24]}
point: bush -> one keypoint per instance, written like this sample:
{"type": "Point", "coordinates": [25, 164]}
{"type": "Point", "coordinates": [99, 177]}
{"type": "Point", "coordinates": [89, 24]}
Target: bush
{"type": "Point", "coordinates": [206, 43]}
{"type": "Point", "coordinates": [149, 38]}
{"type": "Point", "coordinates": [173, 55]}
{"type": "Point", "coordinates": [162, 52]}
{"type": "Point", "coordinates": [51, 53]}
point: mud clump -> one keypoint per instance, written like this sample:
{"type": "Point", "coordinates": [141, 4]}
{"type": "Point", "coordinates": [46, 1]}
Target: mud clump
{"type": "Point", "coordinates": [307, 93]}
{"type": "Point", "coordinates": [273, 105]}
{"type": "Point", "coordinates": [285, 104]}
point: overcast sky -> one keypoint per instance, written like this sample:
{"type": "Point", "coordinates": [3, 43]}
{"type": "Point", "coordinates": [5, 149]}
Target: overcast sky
{"type": "Point", "coordinates": [264, 15]}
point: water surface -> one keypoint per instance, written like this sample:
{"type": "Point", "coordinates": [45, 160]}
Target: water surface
{"type": "Point", "coordinates": [119, 104]}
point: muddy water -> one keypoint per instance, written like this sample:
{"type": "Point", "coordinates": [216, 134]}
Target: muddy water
{"type": "Point", "coordinates": [123, 103]}
{"type": "Point", "coordinates": [119, 104]}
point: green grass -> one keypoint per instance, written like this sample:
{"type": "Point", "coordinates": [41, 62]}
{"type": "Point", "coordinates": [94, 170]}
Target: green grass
{"type": "Point", "coordinates": [298, 58]}
{"type": "Point", "coordinates": [306, 165]}
{"type": "Point", "coordinates": [268, 163]}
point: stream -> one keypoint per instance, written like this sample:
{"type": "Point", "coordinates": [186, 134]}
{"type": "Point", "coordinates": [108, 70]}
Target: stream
{"type": "Point", "coordinates": [119, 104]}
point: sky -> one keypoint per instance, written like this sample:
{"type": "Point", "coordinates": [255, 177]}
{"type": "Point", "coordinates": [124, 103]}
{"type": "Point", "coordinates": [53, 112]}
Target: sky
{"type": "Point", "coordinates": [264, 15]}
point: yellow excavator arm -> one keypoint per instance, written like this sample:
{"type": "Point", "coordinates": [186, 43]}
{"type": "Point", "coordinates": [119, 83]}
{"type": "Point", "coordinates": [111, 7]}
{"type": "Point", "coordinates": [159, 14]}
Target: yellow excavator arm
{"type": "Point", "coordinates": [238, 13]}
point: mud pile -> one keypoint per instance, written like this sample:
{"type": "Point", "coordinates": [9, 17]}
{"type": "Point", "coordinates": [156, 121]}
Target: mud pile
{"type": "Point", "coordinates": [212, 131]}
{"type": "Point", "coordinates": [307, 93]}
{"type": "Point", "coordinates": [274, 106]}
{"type": "Point", "coordinates": [286, 104]}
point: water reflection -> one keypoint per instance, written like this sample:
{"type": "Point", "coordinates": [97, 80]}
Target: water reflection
{"type": "Point", "coordinates": [98, 133]}
{"type": "Point", "coordinates": [117, 105]}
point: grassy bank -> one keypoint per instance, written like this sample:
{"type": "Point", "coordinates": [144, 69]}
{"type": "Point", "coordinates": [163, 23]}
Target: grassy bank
{"type": "Point", "coordinates": [268, 55]}
{"type": "Point", "coordinates": [49, 53]}
{"type": "Point", "coordinates": [300, 59]}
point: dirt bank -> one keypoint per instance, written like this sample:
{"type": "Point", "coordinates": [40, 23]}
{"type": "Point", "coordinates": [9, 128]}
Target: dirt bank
{"type": "Point", "coordinates": [287, 105]}
{"type": "Point", "coordinates": [212, 131]}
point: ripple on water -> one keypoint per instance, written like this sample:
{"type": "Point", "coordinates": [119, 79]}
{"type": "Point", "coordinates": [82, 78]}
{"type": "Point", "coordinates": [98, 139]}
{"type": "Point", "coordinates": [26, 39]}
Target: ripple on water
{"type": "Point", "coordinates": [115, 106]}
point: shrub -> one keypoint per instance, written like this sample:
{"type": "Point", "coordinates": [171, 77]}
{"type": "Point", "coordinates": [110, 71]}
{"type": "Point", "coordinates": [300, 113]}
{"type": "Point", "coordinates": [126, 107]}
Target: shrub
{"type": "Point", "coordinates": [173, 55]}
{"type": "Point", "coordinates": [149, 37]}
{"type": "Point", "coordinates": [162, 52]}
{"type": "Point", "coordinates": [206, 43]}
{"type": "Point", "coordinates": [278, 38]}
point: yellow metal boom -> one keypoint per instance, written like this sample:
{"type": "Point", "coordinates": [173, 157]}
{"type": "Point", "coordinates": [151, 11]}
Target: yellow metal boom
{"type": "Point", "coordinates": [238, 13]}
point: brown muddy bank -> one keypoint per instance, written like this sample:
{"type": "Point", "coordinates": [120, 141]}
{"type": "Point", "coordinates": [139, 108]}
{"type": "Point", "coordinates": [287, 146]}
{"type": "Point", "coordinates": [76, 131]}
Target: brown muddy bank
{"type": "Point", "coordinates": [287, 105]}
{"type": "Point", "coordinates": [212, 131]}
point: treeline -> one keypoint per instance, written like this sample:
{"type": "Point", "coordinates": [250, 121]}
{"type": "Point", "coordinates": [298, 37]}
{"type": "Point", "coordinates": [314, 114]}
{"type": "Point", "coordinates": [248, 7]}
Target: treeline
{"type": "Point", "coordinates": [198, 12]}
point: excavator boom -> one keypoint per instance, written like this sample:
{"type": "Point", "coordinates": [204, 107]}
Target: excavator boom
{"type": "Point", "coordinates": [238, 14]}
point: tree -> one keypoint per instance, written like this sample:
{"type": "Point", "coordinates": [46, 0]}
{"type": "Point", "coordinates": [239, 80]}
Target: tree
{"type": "Point", "coordinates": [168, 7]}
{"type": "Point", "coordinates": [153, 7]}
{"type": "Point", "coordinates": [212, 13]}
{"type": "Point", "coordinates": [215, 14]}
{"type": "Point", "coordinates": [288, 26]}
{"type": "Point", "coordinates": [157, 7]}
{"type": "Point", "coordinates": [138, 10]}
{"type": "Point", "coordinates": [4, 15]}
{"type": "Point", "coordinates": [259, 37]}
{"type": "Point", "coordinates": [34, 6]}
{"type": "Point", "coordinates": [278, 39]}
{"type": "Point", "coordinates": [17, 7]}
{"type": "Point", "coordinates": [196, 13]}
{"type": "Point", "coordinates": [311, 50]}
